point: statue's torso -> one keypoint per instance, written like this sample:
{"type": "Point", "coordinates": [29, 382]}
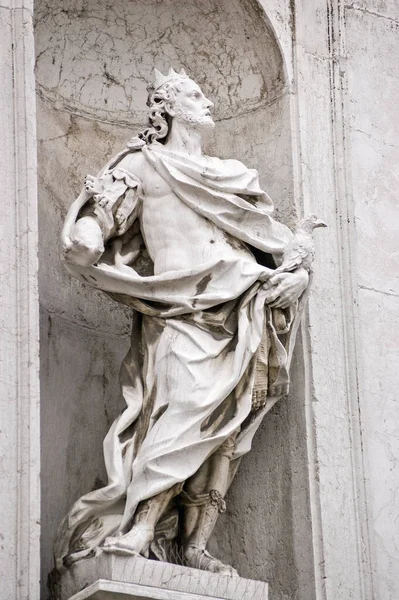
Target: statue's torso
{"type": "Point", "coordinates": [177, 238]}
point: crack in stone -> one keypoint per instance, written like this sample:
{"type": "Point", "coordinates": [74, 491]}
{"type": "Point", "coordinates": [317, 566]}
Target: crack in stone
{"type": "Point", "coordinates": [356, 7]}
{"type": "Point", "coordinates": [375, 138]}
{"type": "Point", "coordinates": [372, 289]}
{"type": "Point", "coordinates": [16, 9]}
{"type": "Point", "coordinates": [78, 323]}
{"type": "Point", "coordinates": [121, 33]}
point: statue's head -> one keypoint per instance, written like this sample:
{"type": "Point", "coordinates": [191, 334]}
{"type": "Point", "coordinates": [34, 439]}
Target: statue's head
{"type": "Point", "coordinates": [175, 96]}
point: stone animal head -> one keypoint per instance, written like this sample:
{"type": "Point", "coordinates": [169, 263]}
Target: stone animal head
{"type": "Point", "coordinates": [311, 222]}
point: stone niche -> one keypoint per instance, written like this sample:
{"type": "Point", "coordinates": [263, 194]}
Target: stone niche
{"type": "Point", "coordinates": [94, 60]}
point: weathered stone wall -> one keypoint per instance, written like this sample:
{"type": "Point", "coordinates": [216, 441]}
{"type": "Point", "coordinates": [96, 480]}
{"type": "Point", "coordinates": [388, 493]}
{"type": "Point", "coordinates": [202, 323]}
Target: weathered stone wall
{"type": "Point", "coordinates": [372, 47]}
{"type": "Point", "coordinates": [93, 63]}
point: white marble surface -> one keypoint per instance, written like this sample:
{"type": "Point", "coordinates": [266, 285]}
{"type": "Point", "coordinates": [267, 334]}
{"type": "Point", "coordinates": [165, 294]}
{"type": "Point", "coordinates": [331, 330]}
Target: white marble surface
{"type": "Point", "coordinates": [163, 577]}
{"type": "Point", "coordinates": [115, 590]}
{"type": "Point", "coordinates": [373, 88]}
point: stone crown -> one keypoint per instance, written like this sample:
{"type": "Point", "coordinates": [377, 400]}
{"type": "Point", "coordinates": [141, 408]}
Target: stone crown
{"type": "Point", "coordinates": [161, 79]}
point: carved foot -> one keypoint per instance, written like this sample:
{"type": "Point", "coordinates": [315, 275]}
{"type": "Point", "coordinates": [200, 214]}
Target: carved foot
{"type": "Point", "coordinates": [197, 558]}
{"type": "Point", "coordinates": [136, 541]}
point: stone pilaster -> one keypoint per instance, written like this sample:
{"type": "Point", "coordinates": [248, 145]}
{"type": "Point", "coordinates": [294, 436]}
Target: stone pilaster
{"type": "Point", "coordinates": [19, 337]}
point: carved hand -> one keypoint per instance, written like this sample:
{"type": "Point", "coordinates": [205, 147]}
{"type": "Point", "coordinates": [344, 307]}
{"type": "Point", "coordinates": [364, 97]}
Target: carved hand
{"type": "Point", "coordinates": [285, 288]}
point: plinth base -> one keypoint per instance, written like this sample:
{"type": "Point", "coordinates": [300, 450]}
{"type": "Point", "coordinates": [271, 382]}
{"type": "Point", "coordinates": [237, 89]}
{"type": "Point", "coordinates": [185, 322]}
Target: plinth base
{"type": "Point", "coordinates": [111, 577]}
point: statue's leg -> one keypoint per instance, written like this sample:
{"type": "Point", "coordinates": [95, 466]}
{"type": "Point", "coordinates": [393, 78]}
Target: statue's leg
{"type": "Point", "coordinates": [140, 536]}
{"type": "Point", "coordinates": [203, 498]}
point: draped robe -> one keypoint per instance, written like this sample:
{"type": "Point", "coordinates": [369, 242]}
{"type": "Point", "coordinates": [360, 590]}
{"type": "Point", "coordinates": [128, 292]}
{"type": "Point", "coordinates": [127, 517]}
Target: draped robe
{"type": "Point", "coordinates": [207, 355]}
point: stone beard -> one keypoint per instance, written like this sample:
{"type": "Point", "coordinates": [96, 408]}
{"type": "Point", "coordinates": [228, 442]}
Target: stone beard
{"type": "Point", "coordinates": [212, 333]}
{"type": "Point", "coordinates": [184, 115]}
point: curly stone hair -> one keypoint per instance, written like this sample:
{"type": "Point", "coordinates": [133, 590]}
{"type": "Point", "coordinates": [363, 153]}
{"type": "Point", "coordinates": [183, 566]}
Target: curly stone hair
{"type": "Point", "coordinates": [158, 117]}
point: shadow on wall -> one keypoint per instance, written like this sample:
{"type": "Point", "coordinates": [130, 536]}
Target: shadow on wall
{"type": "Point", "coordinates": [94, 61]}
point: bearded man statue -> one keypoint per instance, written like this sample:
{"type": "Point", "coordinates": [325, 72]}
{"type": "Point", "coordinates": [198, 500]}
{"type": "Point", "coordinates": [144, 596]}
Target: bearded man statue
{"type": "Point", "coordinates": [188, 241]}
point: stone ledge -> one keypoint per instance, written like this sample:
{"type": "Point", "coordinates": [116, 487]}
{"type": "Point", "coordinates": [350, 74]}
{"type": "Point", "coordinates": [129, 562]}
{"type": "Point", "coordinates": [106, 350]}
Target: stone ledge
{"type": "Point", "coordinates": [116, 590]}
{"type": "Point", "coordinates": [112, 577]}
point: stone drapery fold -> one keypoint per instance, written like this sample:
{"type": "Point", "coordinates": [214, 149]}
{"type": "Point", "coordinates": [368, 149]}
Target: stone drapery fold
{"type": "Point", "coordinates": [203, 342]}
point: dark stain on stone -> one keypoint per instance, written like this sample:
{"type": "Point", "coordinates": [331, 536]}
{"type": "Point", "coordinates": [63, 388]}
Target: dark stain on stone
{"type": "Point", "coordinates": [220, 417]}
{"type": "Point", "coordinates": [50, 328]}
{"type": "Point", "coordinates": [161, 306]}
{"type": "Point", "coordinates": [292, 21]}
{"type": "Point", "coordinates": [128, 432]}
{"type": "Point", "coordinates": [234, 242]}
{"type": "Point", "coordinates": [253, 200]}
{"type": "Point", "coordinates": [54, 584]}
{"type": "Point", "coordinates": [263, 258]}
{"type": "Point", "coordinates": [98, 484]}
{"type": "Point", "coordinates": [201, 285]}
{"type": "Point", "coordinates": [232, 344]}
{"type": "Point", "coordinates": [73, 128]}
{"type": "Point", "coordinates": [158, 413]}
{"type": "Point", "coordinates": [143, 422]}
{"type": "Point", "coordinates": [110, 78]}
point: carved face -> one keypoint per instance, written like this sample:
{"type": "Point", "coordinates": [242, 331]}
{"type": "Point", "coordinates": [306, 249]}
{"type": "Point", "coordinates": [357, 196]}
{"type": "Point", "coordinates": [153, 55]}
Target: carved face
{"type": "Point", "coordinates": [191, 106]}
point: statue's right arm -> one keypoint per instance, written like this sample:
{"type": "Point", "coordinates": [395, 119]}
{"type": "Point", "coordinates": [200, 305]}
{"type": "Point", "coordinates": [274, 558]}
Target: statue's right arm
{"type": "Point", "coordinates": [96, 221]}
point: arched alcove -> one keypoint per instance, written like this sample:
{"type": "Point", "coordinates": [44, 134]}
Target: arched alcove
{"type": "Point", "coordinates": [94, 60]}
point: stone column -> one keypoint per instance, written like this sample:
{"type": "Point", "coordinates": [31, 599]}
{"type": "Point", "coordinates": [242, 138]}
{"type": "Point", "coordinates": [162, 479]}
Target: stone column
{"type": "Point", "coordinates": [19, 338]}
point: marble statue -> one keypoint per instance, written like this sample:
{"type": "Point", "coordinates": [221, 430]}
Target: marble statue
{"type": "Point", "coordinates": [217, 287]}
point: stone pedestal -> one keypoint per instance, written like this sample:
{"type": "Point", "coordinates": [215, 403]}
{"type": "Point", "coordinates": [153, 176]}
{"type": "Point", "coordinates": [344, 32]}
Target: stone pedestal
{"type": "Point", "coordinates": [112, 577]}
